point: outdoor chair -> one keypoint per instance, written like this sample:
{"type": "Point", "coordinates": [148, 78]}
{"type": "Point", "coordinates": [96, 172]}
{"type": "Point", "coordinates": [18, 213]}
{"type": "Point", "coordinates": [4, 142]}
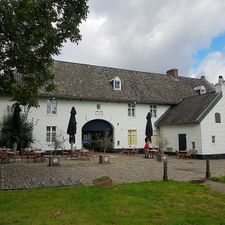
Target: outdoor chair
{"type": "Point", "coordinates": [36, 155]}
{"type": "Point", "coordinates": [189, 154]}
{"type": "Point", "coordinates": [75, 153]}
{"type": "Point", "coordinates": [177, 154]}
{"type": "Point", "coordinates": [134, 151]}
{"type": "Point", "coordinates": [4, 156]}
{"type": "Point", "coordinates": [12, 155]}
{"type": "Point", "coordinates": [92, 154]}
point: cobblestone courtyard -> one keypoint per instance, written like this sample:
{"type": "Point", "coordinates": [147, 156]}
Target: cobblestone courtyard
{"type": "Point", "coordinates": [122, 169]}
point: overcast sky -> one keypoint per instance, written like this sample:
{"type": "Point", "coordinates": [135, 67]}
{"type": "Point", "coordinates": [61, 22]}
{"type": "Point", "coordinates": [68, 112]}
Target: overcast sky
{"type": "Point", "coordinates": [153, 36]}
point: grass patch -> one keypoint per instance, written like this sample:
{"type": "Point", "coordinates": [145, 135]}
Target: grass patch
{"type": "Point", "coordinates": [218, 179]}
{"type": "Point", "coordinates": [156, 202]}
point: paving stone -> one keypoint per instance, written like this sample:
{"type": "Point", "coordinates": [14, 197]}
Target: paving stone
{"type": "Point", "coordinates": [122, 169]}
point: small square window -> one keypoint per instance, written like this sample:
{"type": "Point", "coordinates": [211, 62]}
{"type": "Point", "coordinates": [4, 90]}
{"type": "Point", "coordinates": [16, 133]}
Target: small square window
{"type": "Point", "coordinates": [153, 110]}
{"type": "Point", "coordinates": [99, 106]}
{"type": "Point", "coordinates": [213, 139]}
{"type": "Point", "coordinates": [217, 118]}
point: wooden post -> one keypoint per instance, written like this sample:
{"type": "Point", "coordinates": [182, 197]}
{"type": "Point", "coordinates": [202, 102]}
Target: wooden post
{"type": "Point", "coordinates": [207, 169]}
{"type": "Point", "coordinates": [165, 176]}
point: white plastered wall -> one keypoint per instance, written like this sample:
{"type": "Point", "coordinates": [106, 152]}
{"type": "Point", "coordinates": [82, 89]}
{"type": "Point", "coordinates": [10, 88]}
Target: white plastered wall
{"type": "Point", "coordinates": [114, 113]}
{"type": "Point", "coordinates": [193, 134]}
{"type": "Point", "coordinates": [210, 128]}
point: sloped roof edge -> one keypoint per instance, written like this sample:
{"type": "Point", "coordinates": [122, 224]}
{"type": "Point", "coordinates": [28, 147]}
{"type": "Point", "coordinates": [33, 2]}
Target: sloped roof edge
{"type": "Point", "coordinates": [190, 110]}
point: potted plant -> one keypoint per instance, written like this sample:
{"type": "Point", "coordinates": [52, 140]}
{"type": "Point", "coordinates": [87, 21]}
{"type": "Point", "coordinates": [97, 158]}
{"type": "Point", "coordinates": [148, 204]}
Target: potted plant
{"type": "Point", "coordinates": [162, 143]}
{"type": "Point", "coordinates": [58, 143]}
{"type": "Point", "coordinates": [105, 143]}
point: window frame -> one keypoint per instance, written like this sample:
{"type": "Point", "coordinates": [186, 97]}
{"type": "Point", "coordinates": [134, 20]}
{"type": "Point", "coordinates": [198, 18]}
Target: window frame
{"type": "Point", "coordinates": [132, 137]}
{"type": "Point", "coordinates": [51, 107]}
{"type": "Point", "coordinates": [51, 133]}
{"type": "Point", "coordinates": [153, 110]}
{"type": "Point", "coordinates": [99, 106]}
{"type": "Point", "coordinates": [131, 111]}
{"type": "Point", "coordinates": [213, 139]}
{"type": "Point", "coordinates": [117, 84]}
{"type": "Point", "coordinates": [217, 117]}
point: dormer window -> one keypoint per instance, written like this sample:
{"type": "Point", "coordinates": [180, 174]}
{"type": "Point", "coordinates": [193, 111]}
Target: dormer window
{"type": "Point", "coordinates": [200, 90]}
{"type": "Point", "coordinates": [116, 83]}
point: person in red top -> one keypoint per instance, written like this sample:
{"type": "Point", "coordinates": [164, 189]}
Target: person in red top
{"type": "Point", "coordinates": [146, 148]}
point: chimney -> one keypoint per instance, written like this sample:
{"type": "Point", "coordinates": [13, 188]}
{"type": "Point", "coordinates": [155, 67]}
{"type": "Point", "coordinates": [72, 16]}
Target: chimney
{"type": "Point", "coordinates": [220, 86]}
{"type": "Point", "coordinates": [202, 77]}
{"type": "Point", "coordinates": [220, 81]}
{"type": "Point", "coordinates": [173, 73]}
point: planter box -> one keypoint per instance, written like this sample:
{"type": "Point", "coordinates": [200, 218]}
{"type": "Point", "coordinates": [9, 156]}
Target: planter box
{"type": "Point", "coordinates": [104, 159]}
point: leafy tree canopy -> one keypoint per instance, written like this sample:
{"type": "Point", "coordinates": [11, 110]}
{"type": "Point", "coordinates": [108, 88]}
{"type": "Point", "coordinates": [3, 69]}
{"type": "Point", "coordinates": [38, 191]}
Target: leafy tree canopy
{"type": "Point", "coordinates": [31, 32]}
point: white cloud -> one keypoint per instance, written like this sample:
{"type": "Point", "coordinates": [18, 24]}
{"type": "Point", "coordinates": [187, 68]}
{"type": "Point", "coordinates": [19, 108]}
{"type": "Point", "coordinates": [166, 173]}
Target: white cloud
{"type": "Point", "coordinates": [147, 35]}
{"type": "Point", "coordinates": [212, 66]}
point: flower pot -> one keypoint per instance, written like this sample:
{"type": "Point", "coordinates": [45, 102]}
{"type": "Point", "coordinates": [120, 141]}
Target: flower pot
{"type": "Point", "coordinates": [104, 159]}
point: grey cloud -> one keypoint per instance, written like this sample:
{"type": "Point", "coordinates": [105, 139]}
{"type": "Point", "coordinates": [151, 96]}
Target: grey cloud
{"type": "Point", "coordinates": [147, 35]}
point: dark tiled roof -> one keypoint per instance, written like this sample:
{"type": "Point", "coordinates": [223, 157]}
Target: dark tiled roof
{"type": "Point", "coordinates": [91, 82]}
{"type": "Point", "coordinates": [190, 110]}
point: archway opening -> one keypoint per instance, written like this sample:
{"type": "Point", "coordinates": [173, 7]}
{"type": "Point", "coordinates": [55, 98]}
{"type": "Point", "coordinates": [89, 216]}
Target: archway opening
{"type": "Point", "coordinates": [97, 135]}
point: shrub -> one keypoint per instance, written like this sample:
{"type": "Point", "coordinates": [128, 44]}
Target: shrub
{"type": "Point", "coordinates": [7, 137]}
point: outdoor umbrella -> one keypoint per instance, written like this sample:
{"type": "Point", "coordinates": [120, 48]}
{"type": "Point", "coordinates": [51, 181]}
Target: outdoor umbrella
{"type": "Point", "coordinates": [148, 130]}
{"type": "Point", "coordinates": [72, 127]}
{"type": "Point", "coordinates": [16, 124]}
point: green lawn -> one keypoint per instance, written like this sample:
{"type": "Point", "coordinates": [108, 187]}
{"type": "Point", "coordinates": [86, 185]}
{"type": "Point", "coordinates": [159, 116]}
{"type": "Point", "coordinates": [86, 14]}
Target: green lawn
{"type": "Point", "coordinates": [144, 203]}
{"type": "Point", "coordinates": [218, 179]}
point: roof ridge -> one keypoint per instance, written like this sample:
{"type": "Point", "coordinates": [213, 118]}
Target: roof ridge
{"type": "Point", "coordinates": [124, 69]}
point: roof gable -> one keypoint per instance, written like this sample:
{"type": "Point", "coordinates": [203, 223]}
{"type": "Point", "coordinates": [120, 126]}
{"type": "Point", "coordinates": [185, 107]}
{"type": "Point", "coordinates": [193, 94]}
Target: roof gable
{"type": "Point", "coordinates": [190, 110]}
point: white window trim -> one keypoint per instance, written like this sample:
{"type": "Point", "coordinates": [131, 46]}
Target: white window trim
{"type": "Point", "coordinates": [153, 110]}
{"type": "Point", "coordinates": [50, 107]}
{"type": "Point", "coordinates": [50, 134]}
{"type": "Point", "coordinates": [131, 110]}
{"type": "Point", "coordinates": [114, 81]}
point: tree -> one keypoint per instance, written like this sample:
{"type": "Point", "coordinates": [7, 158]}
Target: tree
{"type": "Point", "coordinates": [7, 137]}
{"type": "Point", "coordinates": [105, 142]}
{"type": "Point", "coordinates": [31, 33]}
{"type": "Point", "coordinates": [162, 141]}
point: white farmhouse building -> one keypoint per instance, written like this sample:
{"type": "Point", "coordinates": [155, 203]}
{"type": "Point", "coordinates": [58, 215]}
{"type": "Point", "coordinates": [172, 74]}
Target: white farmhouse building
{"type": "Point", "coordinates": [190, 112]}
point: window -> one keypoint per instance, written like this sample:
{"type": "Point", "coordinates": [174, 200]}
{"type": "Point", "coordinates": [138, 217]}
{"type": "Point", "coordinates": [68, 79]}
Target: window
{"type": "Point", "coordinates": [217, 118]}
{"type": "Point", "coordinates": [131, 110]}
{"type": "Point", "coordinates": [99, 106]}
{"type": "Point", "coordinates": [117, 85]}
{"type": "Point", "coordinates": [50, 133]}
{"type": "Point", "coordinates": [193, 145]}
{"type": "Point", "coordinates": [132, 137]}
{"type": "Point", "coordinates": [213, 139]}
{"type": "Point", "coordinates": [51, 106]}
{"type": "Point", "coordinates": [153, 110]}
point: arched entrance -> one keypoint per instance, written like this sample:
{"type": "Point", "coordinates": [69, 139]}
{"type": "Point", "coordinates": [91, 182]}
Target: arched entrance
{"type": "Point", "coordinates": [97, 134]}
